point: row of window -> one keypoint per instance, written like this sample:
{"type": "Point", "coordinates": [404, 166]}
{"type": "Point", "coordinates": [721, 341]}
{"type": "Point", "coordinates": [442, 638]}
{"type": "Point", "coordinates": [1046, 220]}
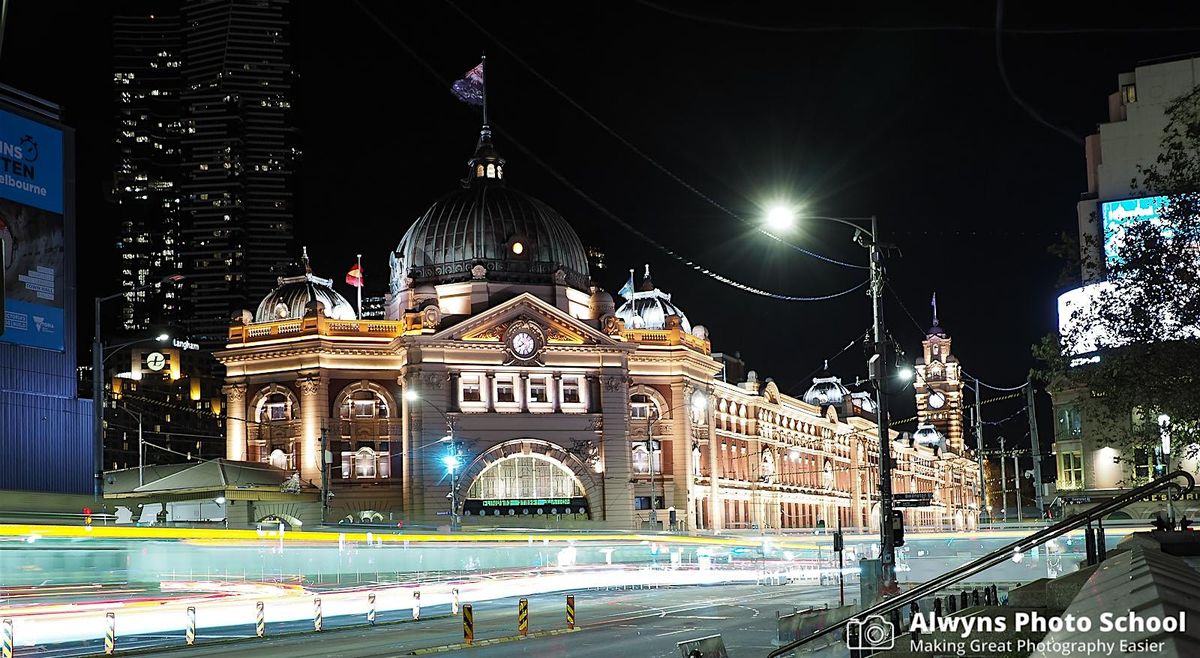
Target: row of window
{"type": "Point", "coordinates": [505, 388]}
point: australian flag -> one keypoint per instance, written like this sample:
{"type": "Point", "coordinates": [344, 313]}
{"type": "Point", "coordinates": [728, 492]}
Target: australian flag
{"type": "Point", "coordinates": [470, 88]}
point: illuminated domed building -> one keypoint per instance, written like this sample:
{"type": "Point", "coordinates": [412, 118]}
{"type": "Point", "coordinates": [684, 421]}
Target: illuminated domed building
{"type": "Point", "coordinates": [501, 358]}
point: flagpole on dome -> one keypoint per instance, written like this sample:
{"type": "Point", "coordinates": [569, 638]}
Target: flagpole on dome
{"type": "Point", "coordinates": [483, 71]}
{"type": "Point", "coordinates": [359, 287]}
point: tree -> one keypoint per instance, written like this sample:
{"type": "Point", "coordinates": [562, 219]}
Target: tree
{"type": "Point", "coordinates": [1143, 321]}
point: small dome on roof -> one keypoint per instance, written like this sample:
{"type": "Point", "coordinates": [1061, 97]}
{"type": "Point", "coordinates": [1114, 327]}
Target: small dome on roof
{"type": "Point", "coordinates": [291, 298]}
{"type": "Point", "coordinates": [927, 435]}
{"type": "Point", "coordinates": [826, 390]}
{"type": "Point", "coordinates": [649, 307]}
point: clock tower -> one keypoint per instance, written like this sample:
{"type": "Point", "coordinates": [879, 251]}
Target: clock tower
{"type": "Point", "coordinates": [939, 385]}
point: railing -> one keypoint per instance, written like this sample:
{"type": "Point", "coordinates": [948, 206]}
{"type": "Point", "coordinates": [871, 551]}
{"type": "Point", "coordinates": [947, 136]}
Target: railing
{"type": "Point", "coordinates": [669, 336]}
{"type": "Point", "coordinates": [320, 326]}
{"type": "Point", "coordinates": [1000, 555]}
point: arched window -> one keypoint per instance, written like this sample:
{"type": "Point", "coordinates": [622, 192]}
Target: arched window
{"type": "Point", "coordinates": [643, 407]}
{"type": "Point", "coordinates": [280, 459]}
{"type": "Point", "coordinates": [363, 404]}
{"type": "Point", "coordinates": [525, 476]}
{"type": "Point", "coordinates": [641, 458]}
{"type": "Point", "coordinates": [274, 407]}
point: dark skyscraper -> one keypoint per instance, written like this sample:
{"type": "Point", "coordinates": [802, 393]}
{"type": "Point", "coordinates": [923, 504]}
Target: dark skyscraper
{"type": "Point", "coordinates": [205, 169]}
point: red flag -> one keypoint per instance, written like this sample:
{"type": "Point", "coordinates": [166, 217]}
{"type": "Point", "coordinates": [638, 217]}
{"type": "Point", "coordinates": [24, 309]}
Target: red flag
{"type": "Point", "coordinates": [355, 276]}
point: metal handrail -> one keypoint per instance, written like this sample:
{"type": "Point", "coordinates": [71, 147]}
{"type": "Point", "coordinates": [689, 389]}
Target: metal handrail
{"type": "Point", "coordinates": [1001, 554]}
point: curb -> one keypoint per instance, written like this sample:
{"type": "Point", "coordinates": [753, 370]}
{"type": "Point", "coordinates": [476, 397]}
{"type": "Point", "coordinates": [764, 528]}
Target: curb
{"type": "Point", "coordinates": [490, 641]}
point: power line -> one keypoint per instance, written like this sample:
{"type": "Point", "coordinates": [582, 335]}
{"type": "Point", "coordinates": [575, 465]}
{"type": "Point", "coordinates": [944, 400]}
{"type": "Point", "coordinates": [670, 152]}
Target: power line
{"type": "Point", "coordinates": [640, 153]}
{"type": "Point", "coordinates": [603, 210]}
{"type": "Point", "coordinates": [808, 29]}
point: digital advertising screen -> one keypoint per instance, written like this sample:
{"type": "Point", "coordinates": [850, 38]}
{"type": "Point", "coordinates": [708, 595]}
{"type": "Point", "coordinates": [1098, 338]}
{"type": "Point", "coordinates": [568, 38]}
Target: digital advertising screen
{"type": "Point", "coordinates": [32, 231]}
{"type": "Point", "coordinates": [1117, 216]}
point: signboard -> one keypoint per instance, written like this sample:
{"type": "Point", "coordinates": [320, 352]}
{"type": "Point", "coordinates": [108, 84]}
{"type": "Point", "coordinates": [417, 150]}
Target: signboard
{"type": "Point", "coordinates": [1117, 216]}
{"type": "Point", "coordinates": [32, 231]}
{"type": "Point", "coordinates": [524, 506]}
{"type": "Point", "coordinates": [919, 499]}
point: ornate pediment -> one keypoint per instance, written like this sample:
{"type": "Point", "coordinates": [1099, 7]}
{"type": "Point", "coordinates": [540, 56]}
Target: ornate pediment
{"type": "Point", "coordinates": [553, 325]}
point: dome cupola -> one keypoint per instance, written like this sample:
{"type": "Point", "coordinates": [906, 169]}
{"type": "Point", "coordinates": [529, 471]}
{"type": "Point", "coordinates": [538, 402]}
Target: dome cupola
{"type": "Point", "coordinates": [487, 230]}
{"type": "Point", "coordinates": [295, 295]}
{"type": "Point", "coordinates": [648, 307]}
{"type": "Point", "coordinates": [826, 390]}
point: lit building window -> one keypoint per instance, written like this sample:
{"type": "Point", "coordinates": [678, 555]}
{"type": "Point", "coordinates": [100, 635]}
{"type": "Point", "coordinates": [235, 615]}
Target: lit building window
{"type": "Point", "coordinates": [525, 476]}
{"type": "Point", "coordinates": [504, 390]}
{"type": "Point", "coordinates": [518, 248]}
{"type": "Point", "coordinates": [641, 458]}
{"type": "Point", "coordinates": [275, 408]}
{"type": "Point", "coordinates": [364, 403]}
{"type": "Point", "coordinates": [470, 388]}
{"type": "Point", "coordinates": [537, 390]}
{"type": "Point", "coordinates": [642, 406]}
{"type": "Point", "coordinates": [570, 390]}
{"type": "Point", "coordinates": [1070, 469]}
{"type": "Point", "coordinates": [491, 171]}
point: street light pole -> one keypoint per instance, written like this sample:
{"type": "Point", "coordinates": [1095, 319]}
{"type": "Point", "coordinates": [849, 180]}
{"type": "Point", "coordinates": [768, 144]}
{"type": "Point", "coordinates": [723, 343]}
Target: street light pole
{"type": "Point", "coordinates": [877, 367]}
{"type": "Point", "coordinates": [98, 380]}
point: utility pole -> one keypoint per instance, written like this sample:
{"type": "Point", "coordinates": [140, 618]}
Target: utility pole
{"type": "Point", "coordinates": [1036, 449]}
{"type": "Point", "coordinates": [650, 452]}
{"type": "Point", "coordinates": [1017, 490]}
{"type": "Point", "coordinates": [879, 371]}
{"type": "Point", "coordinates": [983, 504]}
{"type": "Point", "coordinates": [1003, 483]}
{"type": "Point", "coordinates": [326, 459]}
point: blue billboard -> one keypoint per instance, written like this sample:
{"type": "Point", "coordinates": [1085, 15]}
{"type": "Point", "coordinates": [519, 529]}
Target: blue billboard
{"type": "Point", "coordinates": [32, 231]}
{"type": "Point", "coordinates": [1116, 216]}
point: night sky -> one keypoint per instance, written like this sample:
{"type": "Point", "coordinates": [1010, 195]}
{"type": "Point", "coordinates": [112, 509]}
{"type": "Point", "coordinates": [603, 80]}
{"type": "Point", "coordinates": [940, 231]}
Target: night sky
{"type": "Point", "coordinates": [832, 107]}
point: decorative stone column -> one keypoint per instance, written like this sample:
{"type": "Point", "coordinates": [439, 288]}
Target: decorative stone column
{"type": "Point", "coordinates": [856, 493]}
{"type": "Point", "coordinates": [236, 446]}
{"type": "Point", "coordinates": [613, 404]}
{"type": "Point", "coordinates": [314, 405]}
{"type": "Point", "coordinates": [715, 503]}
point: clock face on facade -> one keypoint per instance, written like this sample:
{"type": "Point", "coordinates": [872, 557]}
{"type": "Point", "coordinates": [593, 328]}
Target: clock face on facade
{"type": "Point", "coordinates": [523, 344]}
{"type": "Point", "coordinates": [937, 399]}
{"type": "Point", "coordinates": [524, 340]}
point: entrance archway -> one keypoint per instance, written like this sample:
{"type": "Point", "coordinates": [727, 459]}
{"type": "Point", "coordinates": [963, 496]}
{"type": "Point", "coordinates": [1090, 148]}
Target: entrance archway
{"type": "Point", "coordinates": [528, 477]}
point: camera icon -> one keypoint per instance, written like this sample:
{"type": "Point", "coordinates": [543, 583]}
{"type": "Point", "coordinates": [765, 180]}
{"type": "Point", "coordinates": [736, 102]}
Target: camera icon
{"type": "Point", "coordinates": [870, 632]}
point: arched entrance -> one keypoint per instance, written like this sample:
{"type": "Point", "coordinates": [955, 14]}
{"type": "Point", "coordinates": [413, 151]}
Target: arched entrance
{"type": "Point", "coordinates": [528, 477]}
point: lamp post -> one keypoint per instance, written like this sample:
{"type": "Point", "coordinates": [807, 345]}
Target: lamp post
{"type": "Point", "coordinates": [781, 217]}
{"type": "Point", "coordinates": [141, 444]}
{"type": "Point", "coordinates": [451, 460]}
{"type": "Point", "coordinates": [697, 403]}
{"type": "Point", "coordinates": [98, 379]}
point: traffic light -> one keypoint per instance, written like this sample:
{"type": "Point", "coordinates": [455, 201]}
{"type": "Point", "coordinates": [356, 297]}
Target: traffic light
{"type": "Point", "coordinates": [897, 528]}
{"type": "Point", "coordinates": [838, 543]}
{"type": "Point", "coordinates": [87, 516]}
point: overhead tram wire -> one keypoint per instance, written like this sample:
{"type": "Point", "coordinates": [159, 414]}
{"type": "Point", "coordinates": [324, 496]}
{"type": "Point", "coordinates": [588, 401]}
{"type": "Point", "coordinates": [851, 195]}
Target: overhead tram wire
{"type": "Point", "coordinates": [788, 29]}
{"type": "Point", "coordinates": [1075, 139]}
{"type": "Point", "coordinates": [639, 152]}
{"type": "Point", "coordinates": [603, 210]}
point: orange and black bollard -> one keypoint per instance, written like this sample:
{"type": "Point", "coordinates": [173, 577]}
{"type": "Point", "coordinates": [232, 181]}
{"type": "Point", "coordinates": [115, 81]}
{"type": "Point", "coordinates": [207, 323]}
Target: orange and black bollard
{"type": "Point", "coordinates": [523, 617]}
{"type": "Point", "coordinates": [570, 611]}
{"type": "Point", "coordinates": [468, 624]}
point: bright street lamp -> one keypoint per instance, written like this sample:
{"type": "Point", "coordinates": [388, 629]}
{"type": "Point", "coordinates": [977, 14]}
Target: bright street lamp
{"type": "Point", "coordinates": [906, 373]}
{"type": "Point", "coordinates": [780, 217]}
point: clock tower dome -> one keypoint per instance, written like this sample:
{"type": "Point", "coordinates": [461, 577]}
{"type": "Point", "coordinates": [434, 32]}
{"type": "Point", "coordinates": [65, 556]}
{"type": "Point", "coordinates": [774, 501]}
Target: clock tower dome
{"type": "Point", "coordinates": [939, 385]}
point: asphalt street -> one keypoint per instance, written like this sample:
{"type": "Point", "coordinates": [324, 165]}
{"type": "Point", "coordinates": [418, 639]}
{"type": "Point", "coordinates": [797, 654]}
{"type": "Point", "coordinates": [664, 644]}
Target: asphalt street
{"type": "Point", "coordinates": [624, 623]}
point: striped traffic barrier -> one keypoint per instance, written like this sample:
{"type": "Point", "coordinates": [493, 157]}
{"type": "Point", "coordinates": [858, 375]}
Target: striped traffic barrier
{"type": "Point", "coordinates": [189, 634]}
{"type": "Point", "coordinates": [454, 603]}
{"type": "Point", "coordinates": [468, 624]}
{"type": "Point", "coordinates": [8, 638]}
{"type": "Point", "coordinates": [570, 611]}
{"type": "Point", "coordinates": [110, 633]}
{"type": "Point", "coordinates": [523, 617]}
{"type": "Point", "coordinates": [416, 604]}
{"type": "Point", "coordinates": [260, 620]}
{"type": "Point", "coordinates": [371, 608]}
{"type": "Point", "coordinates": [318, 620]}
